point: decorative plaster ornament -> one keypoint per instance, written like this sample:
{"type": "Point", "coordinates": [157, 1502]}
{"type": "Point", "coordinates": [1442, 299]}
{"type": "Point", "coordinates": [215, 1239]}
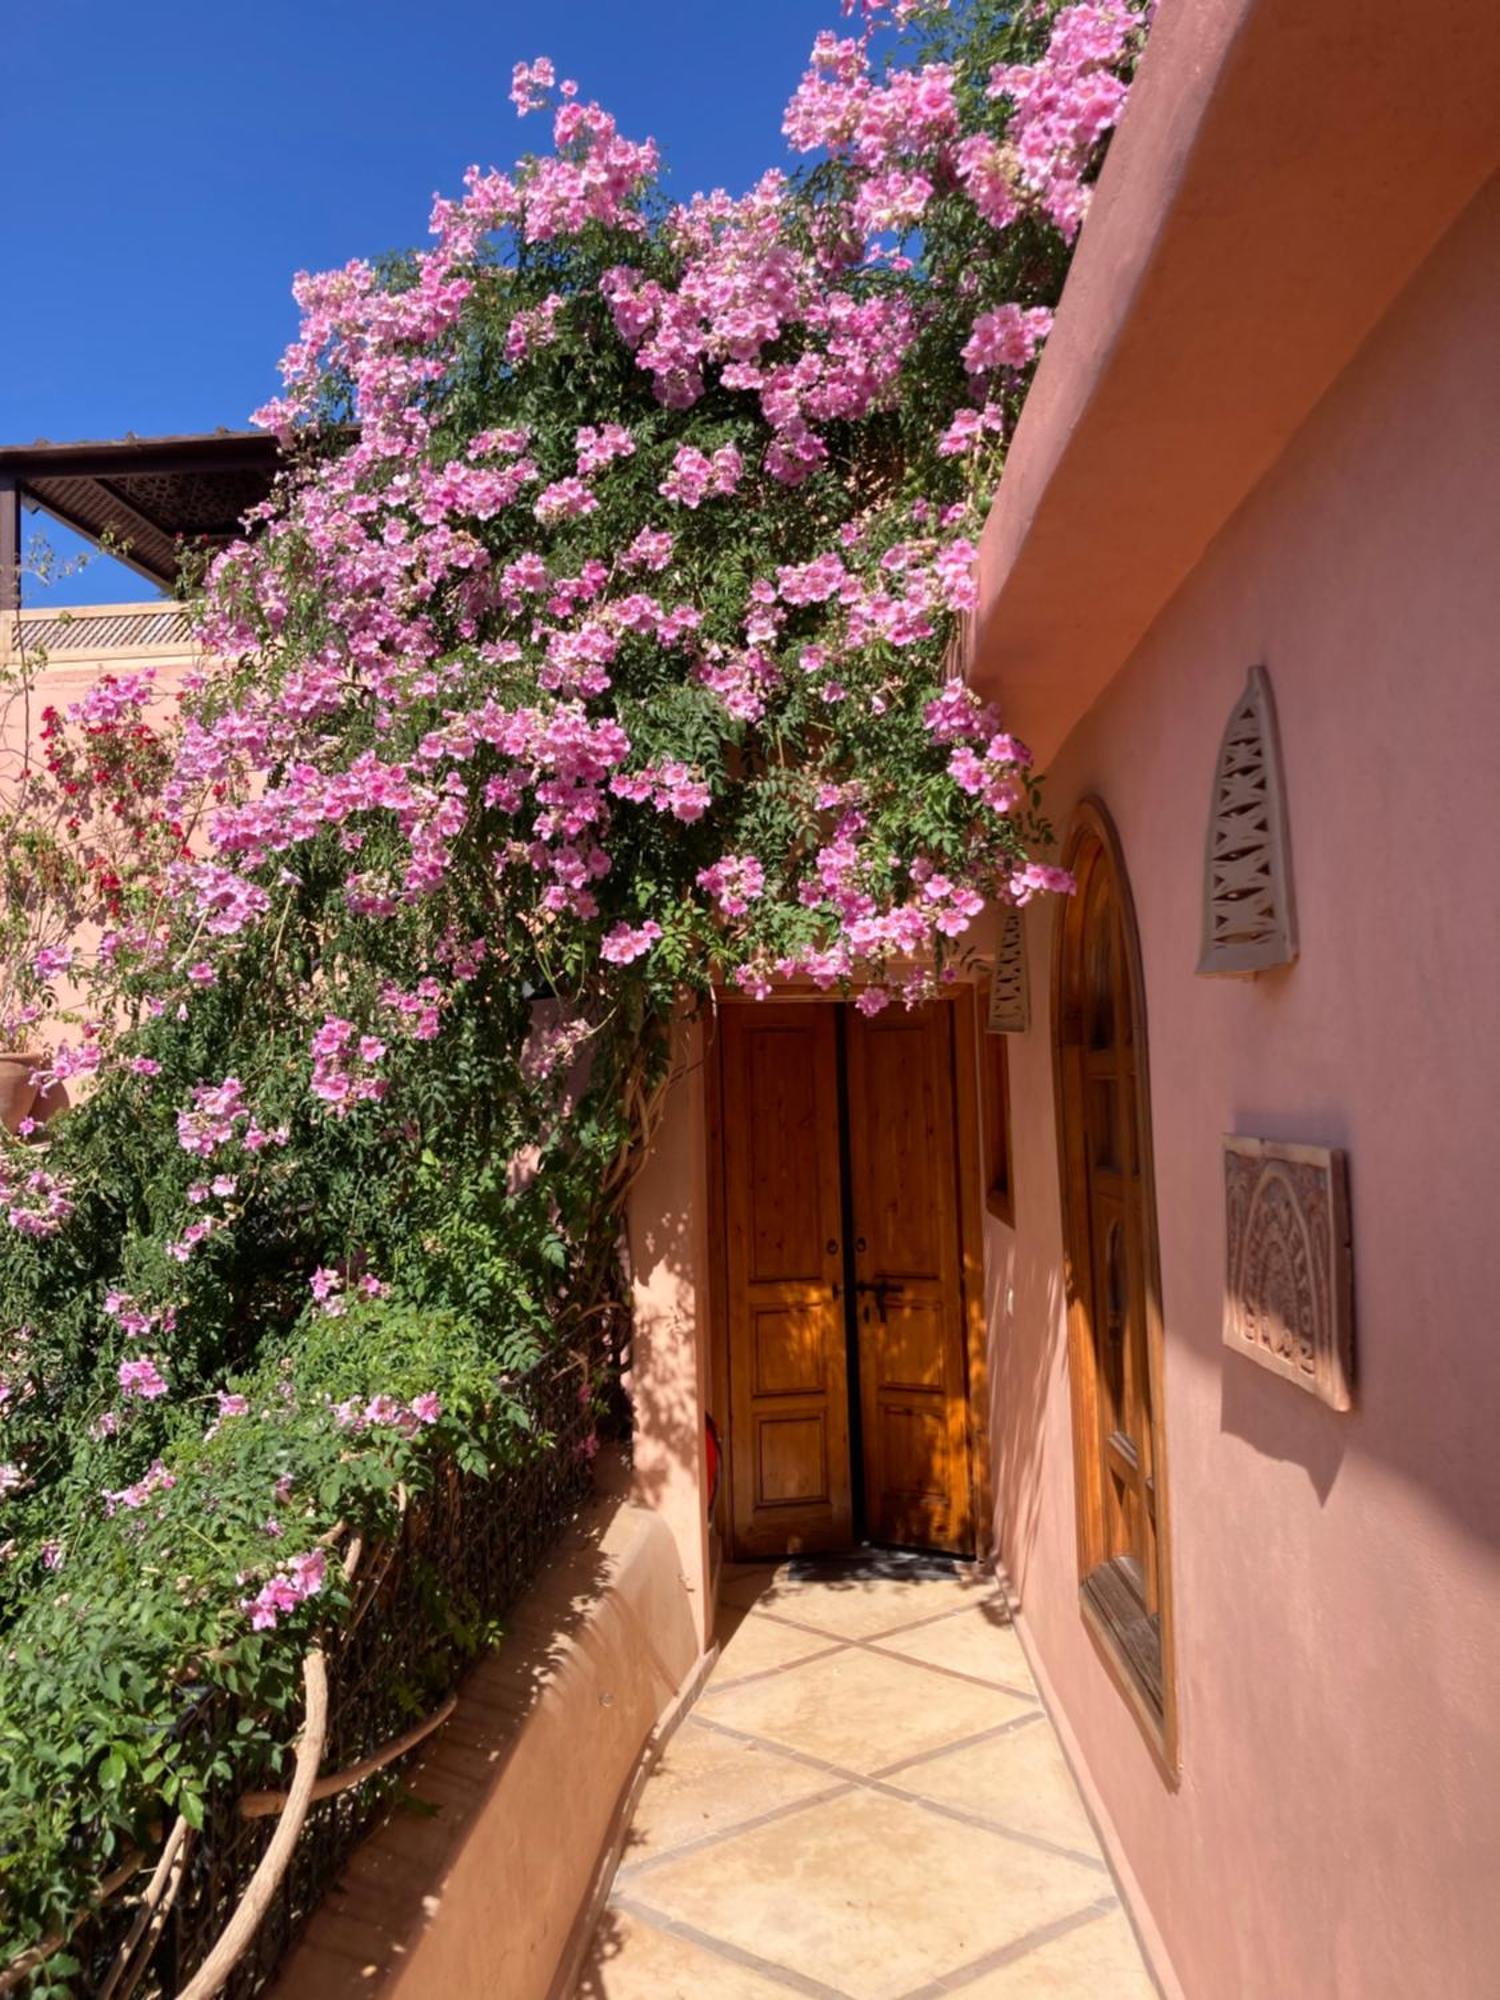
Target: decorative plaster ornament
{"type": "Point", "coordinates": [1289, 1281]}
{"type": "Point", "coordinates": [1249, 923]}
{"type": "Point", "coordinates": [1010, 995]}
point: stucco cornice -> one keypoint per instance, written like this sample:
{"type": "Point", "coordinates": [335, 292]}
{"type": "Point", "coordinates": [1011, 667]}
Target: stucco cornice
{"type": "Point", "coordinates": [1283, 168]}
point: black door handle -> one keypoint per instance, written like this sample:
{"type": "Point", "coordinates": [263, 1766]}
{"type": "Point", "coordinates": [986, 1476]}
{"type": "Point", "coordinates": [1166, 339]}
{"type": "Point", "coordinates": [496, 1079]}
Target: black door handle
{"type": "Point", "coordinates": [881, 1290]}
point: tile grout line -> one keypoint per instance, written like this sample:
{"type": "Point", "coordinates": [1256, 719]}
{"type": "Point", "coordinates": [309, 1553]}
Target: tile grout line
{"type": "Point", "coordinates": [1011, 1728]}
{"type": "Point", "coordinates": [1033, 1840]}
{"type": "Point", "coordinates": [1010, 1954]}
{"type": "Point", "coordinates": [877, 1781]}
{"type": "Point", "coordinates": [880, 1645]}
{"type": "Point", "coordinates": [630, 1871]}
{"type": "Point", "coordinates": [787, 1617]}
{"type": "Point", "coordinates": [840, 1771]}
{"type": "Point", "coordinates": [937, 1618]}
{"type": "Point", "coordinates": [985, 1595]}
{"type": "Point", "coordinates": [636, 1881]}
{"type": "Point", "coordinates": [858, 1780]}
{"type": "Point", "coordinates": [778, 1975]}
{"type": "Point", "coordinates": [767, 1673]}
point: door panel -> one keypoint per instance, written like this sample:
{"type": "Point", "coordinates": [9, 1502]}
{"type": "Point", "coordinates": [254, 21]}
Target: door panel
{"type": "Point", "coordinates": [789, 1387]}
{"type": "Point", "coordinates": [903, 1172]}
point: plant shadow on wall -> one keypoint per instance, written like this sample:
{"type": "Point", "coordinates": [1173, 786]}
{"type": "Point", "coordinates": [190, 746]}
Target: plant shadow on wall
{"type": "Point", "coordinates": [1027, 1314]}
{"type": "Point", "coordinates": [666, 1360]}
{"type": "Point", "coordinates": [590, 645]}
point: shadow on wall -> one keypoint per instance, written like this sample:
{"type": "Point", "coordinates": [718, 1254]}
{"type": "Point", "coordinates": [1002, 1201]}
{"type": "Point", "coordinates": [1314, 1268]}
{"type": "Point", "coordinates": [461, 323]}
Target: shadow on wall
{"type": "Point", "coordinates": [1024, 1310]}
{"type": "Point", "coordinates": [1281, 1422]}
{"type": "Point", "coordinates": [661, 1380]}
{"type": "Point", "coordinates": [665, 1363]}
{"type": "Point", "coordinates": [659, 1260]}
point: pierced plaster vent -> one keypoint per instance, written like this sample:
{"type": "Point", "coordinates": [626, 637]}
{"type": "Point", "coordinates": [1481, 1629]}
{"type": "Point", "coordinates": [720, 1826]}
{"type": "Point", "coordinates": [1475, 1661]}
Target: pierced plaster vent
{"type": "Point", "coordinates": [1010, 995]}
{"type": "Point", "coordinates": [1249, 924]}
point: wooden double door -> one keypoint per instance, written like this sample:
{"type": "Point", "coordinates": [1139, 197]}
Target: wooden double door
{"type": "Point", "coordinates": [844, 1280]}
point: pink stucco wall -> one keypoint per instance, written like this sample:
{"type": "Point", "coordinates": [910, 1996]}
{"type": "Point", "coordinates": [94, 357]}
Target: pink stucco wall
{"type": "Point", "coordinates": [1337, 1578]}
{"type": "Point", "coordinates": [667, 1228]}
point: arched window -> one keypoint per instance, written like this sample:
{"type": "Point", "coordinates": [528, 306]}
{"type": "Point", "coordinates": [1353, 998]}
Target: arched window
{"type": "Point", "coordinates": [1114, 1291]}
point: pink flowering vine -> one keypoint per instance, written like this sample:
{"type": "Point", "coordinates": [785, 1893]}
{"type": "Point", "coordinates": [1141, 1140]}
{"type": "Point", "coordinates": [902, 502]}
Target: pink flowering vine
{"type": "Point", "coordinates": [156, 1479]}
{"type": "Point", "coordinates": [141, 1377]}
{"type": "Point", "coordinates": [599, 646]}
{"type": "Point", "coordinates": [734, 882]}
{"type": "Point", "coordinates": [301, 1578]}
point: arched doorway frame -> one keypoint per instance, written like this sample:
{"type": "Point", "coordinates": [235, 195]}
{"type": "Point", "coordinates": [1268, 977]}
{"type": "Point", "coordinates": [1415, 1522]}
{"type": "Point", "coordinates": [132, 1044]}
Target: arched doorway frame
{"type": "Point", "coordinates": [1135, 1639]}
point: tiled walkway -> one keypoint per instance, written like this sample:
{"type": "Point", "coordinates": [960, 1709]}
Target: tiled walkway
{"type": "Point", "coordinates": [867, 1803]}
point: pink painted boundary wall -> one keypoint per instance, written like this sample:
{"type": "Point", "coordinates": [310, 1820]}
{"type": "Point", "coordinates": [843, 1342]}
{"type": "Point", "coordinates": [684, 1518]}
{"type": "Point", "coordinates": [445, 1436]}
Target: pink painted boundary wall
{"type": "Point", "coordinates": [1337, 1578]}
{"type": "Point", "coordinates": [667, 1229]}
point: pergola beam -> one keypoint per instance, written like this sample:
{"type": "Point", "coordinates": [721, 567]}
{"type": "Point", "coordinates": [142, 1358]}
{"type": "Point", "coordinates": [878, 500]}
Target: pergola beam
{"type": "Point", "coordinates": [193, 490]}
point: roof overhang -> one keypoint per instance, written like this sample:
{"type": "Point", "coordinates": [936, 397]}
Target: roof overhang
{"type": "Point", "coordinates": [147, 499]}
{"type": "Point", "coordinates": [1282, 169]}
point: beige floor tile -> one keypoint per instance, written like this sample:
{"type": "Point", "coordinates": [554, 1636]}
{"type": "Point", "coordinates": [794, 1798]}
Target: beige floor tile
{"type": "Point", "coordinates": [635, 1961]}
{"type": "Point", "coordinates": [1098, 1961]}
{"type": "Point", "coordinates": [750, 1645]}
{"type": "Point", "coordinates": [862, 1607]}
{"type": "Point", "coordinates": [860, 1710]}
{"type": "Point", "coordinates": [870, 1895]}
{"type": "Point", "coordinates": [1019, 1780]}
{"type": "Point", "coordinates": [706, 1782]}
{"type": "Point", "coordinates": [967, 1643]}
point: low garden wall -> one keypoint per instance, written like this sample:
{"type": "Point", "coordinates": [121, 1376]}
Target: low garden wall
{"type": "Point", "coordinates": [466, 1552]}
{"type": "Point", "coordinates": [484, 1879]}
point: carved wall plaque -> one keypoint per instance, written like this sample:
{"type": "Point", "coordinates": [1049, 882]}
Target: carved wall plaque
{"type": "Point", "coordinates": [1249, 924]}
{"type": "Point", "coordinates": [1289, 1283]}
{"type": "Point", "coordinates": [1010, 994]}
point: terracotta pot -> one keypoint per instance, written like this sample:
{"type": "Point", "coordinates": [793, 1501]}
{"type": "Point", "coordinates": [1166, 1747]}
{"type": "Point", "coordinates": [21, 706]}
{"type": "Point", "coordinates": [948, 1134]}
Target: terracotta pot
{"type": "Point", "coordinates": [17, 1092]}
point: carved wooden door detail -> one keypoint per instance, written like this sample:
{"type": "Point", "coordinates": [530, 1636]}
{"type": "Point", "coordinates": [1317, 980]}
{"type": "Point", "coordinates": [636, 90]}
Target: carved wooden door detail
{"type": "Point", "coordinates": [789, 1385]}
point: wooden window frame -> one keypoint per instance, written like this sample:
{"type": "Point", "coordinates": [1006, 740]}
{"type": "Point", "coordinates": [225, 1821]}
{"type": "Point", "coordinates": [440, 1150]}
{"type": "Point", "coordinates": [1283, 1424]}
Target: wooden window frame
{"type": "Point", "coordinates": [999, 1155]}
{"type": "Point", "coordinates": [1149, 1686]}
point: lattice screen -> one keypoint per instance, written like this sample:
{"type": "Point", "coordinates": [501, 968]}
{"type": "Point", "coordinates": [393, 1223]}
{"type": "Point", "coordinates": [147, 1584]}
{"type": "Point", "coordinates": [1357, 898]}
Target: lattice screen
{"type": "Point", "coordinates": [1249, 923]}
{"type": "Point", "coordinates": [99, 631]}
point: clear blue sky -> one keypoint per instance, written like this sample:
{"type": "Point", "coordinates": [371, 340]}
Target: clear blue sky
{"type": "Point", "coordinates": [168, 168]}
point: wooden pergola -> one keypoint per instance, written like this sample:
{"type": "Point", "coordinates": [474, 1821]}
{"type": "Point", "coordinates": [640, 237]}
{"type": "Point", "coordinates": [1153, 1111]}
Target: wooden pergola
{"type": "Point", "coordinates": [150, 501]}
